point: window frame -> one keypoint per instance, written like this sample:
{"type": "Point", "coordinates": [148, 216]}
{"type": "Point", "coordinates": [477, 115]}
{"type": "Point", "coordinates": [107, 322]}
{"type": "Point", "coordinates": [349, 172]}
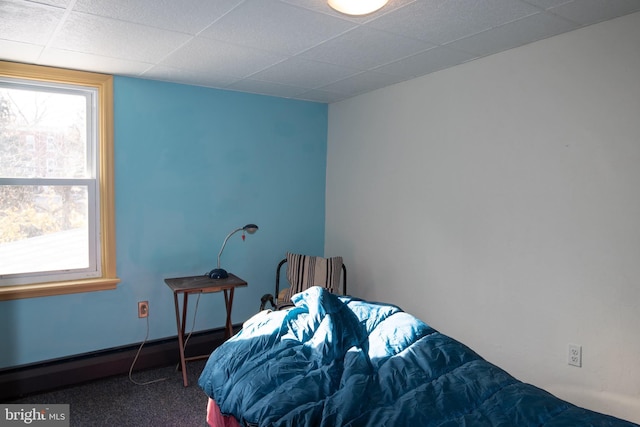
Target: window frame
{"type": "Point", "coordinates": [103, 83]}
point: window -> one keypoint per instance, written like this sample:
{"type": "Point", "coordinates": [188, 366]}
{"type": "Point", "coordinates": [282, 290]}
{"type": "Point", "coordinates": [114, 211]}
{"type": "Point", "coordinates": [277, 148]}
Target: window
{"type": "Point", "coordinates": [57, 231]}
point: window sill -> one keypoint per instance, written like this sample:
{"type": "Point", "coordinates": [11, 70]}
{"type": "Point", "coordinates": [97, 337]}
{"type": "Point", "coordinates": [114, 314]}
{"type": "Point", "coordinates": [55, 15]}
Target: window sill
{"type": "Point", "coordinates": [57, 288]}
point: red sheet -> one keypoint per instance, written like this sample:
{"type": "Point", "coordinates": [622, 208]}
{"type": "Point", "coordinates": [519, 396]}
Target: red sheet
{"type": "Point", "coordinates": [216, 419]}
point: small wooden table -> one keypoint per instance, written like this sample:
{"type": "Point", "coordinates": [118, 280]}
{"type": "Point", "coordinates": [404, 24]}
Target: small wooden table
{"type": "Point", "coordinates": [200, 284]}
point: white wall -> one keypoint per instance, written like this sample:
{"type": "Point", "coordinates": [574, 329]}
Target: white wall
{"type": "Point", "coordinates": [499, 201]}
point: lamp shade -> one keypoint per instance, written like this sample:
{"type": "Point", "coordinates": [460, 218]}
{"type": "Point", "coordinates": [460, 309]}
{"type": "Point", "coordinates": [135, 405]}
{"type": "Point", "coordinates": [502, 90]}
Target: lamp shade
{"type": "Point", "coordinates": [250, 228]}
{"type": "Point", "coordinates": [357, 7]}
{"type": "Point", "coordinates": [221, 273]}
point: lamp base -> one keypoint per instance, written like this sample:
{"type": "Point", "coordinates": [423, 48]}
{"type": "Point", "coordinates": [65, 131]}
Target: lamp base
{"type": "Point", "coordinates": [218, 273]}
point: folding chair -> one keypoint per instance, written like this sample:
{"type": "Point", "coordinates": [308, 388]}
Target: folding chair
{"type": "Point", "coordinates": [304, 271]}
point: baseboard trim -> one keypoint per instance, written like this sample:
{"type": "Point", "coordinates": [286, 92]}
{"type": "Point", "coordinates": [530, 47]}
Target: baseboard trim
{"type": "Point", "coordinates": [20, 381]}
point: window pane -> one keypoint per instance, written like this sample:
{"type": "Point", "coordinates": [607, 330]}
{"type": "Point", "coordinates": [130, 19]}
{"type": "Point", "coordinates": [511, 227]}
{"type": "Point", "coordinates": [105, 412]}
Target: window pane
{"type": "Point", "coordinates": [44, 228]}
{"type": "Point", "coordinates": [42, 134]}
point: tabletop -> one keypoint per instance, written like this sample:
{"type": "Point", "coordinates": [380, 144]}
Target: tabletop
{"type": "Point", "coordinates": [204, 283]}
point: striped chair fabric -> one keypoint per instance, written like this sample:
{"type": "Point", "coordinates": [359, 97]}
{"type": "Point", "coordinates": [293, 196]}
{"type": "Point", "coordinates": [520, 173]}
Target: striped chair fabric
{"type": "Point", "coordinates": [304, 271]}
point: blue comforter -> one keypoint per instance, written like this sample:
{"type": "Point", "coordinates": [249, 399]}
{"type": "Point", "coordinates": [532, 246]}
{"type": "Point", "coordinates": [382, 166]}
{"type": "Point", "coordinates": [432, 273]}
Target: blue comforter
{"type": "Point", "coordinates": [341, 361]}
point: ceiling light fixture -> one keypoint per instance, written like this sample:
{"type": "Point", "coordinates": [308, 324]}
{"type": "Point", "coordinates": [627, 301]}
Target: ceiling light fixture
{"type": "Point", "coordinates": [357, 7]}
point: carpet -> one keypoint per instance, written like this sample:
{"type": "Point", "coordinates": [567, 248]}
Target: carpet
{"type": "Point", "coordinates": [117, 401]}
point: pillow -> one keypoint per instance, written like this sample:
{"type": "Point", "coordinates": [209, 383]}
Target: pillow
{"type": "Point", "coordinates": [305, 271]}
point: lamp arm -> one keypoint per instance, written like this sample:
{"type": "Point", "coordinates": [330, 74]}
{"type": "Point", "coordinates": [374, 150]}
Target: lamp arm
{"type": "Point", "coordinates": [225, 242]}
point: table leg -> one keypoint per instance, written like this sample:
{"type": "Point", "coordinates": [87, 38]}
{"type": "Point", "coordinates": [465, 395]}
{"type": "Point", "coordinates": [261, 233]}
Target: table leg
{"type": "Point", "coordinates": [184, 313]}
{"type": "Point", "coordinates": [181, 326]}
{"type": "Point", "coordinates": [228, 302]}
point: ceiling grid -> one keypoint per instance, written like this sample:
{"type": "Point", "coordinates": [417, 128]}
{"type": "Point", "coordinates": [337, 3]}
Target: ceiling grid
{"type": "Point", "coordinates": [298, 49]}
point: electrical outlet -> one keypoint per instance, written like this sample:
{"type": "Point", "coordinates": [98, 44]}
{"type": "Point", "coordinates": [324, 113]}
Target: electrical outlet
{"type": "Point", "coordinates": [574, 355]}
{"type": "Point", "coordinates": [143, 309]}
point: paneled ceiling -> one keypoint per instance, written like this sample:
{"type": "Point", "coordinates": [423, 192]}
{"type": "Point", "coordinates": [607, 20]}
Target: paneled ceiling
{"type": "Point", "coordinates": [298, 49]}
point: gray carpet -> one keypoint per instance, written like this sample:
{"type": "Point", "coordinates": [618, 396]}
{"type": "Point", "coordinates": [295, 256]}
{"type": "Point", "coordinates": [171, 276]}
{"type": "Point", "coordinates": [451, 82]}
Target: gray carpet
{"type": "Point", "coordinates": [118, 402]}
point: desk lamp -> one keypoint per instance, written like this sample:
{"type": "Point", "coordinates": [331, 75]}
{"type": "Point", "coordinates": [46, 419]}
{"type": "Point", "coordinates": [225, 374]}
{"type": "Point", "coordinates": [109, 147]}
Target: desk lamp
{"type": "Point", "coordinates": [221, 273]}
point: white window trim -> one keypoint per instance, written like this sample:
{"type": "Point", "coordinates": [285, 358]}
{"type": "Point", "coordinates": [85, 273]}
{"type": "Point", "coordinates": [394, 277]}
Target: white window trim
{"type": "Point", "coordinates": [104, 85]}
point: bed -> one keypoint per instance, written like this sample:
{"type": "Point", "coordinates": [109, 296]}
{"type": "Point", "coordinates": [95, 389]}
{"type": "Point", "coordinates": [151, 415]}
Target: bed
{"type": "Point", "coordinates": [341, 361]}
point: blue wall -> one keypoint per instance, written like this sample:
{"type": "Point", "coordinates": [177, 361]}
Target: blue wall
{"type": "Point", "coordinates": [191, 165]}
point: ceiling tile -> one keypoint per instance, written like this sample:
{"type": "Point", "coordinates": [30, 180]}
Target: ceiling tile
{"type": "Point", "coordinates": [546, 4]}
{"type": "Point", "coordinates": [431, 60]}
{"type": "Point", "coordinates": [360, 83]}
{"type": "Point", "coordinates": [364, 48]}
{"type": "Point", "coordinates": [29, 23]}
{"type": "Point", "coordinates": [275, 26]}
{"type": "Point", "coordinates": [89, 62]}
{"type": "Point", "coordinates": [205, 55]}
{"type": "Point", "coordinates": [266, 88]}
{"type": "Point", "coordinates": [188, 17]}
{"type": "Point", "coordinates": [514, 34]}
{"type": "Point", "coordinates": [210, 78]}
{"type": "Point", "coordinates": [317, 95]}
{"type": "Point", "coordinates": [590, 11]}
{"type": "Point", "coordinates": [304, 73]}
{"type": "Point", "coordinates": [116, 39]}
{"type": "Point", "coordinates": [442, 21]}
{"type": "Point", "coordinates": [58, 3]}
{"type": "Point", "coordinates": [19, 52]}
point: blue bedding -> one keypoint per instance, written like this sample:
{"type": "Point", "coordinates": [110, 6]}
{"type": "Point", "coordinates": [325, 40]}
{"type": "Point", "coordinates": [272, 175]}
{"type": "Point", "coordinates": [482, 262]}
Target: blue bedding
{"type": "Point", "coordinates": [341, 361]}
